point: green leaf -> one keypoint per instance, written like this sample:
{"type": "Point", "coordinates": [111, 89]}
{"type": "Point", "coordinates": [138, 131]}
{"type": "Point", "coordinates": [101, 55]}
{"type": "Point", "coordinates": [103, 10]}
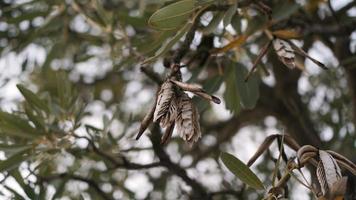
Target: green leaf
{"type": "Point", "coordinates": [20, 180]}
{"type": "Point", "coordinates": [16, 196]}
{"type": "Point", "coordinates": [32, 98]}
{"type": "Point", "coordinates": [284, 10]}
{"type": "Point", "coordinates": [169, 44]}
{"type": "Point", "coordinates": [16, 126]}
{"type": "Point", "coordinates": [172, 16]}
{"type": "Point", "coordinates": [229, 14]}
{"type": "Point", "coordinates": [13, 148]}
{"type": "Point", "coordinates": [15, 160]}
{"type": "Point", "coordinates": [248, 91]}
{"type": "Point", "coordinates": [231, 94]}
{"type": "Point", "coordinates": [214, 23]}
{"type": "Point", "coordinates": [236, 23]}
{"type": "Point", "coordinates": [241, 170]}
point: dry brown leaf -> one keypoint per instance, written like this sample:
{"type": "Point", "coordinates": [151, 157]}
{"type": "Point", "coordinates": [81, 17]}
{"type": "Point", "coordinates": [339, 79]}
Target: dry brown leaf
{"type": "Point", "coordinates": [236, 43]}
{"type": "Point", "coordinates": [286, 34]}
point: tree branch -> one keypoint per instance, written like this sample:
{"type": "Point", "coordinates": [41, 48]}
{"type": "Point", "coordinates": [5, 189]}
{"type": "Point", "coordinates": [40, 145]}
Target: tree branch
{"type": "Point", "coordinates": [90, 182]}
{"type": "Point", "coordinates": [198, 191]}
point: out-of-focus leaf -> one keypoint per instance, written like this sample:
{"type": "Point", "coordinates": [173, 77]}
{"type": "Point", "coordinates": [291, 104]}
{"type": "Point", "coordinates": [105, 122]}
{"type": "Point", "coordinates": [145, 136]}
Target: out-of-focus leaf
{"type": "Point", "coordinates": [256, 24]}
{"type": "Point", "coordinates": [172, 16]}
{"type": "Point", "coordinates": [15, 160]}
{"type": "Point", "coordinates": [19, 179]}
{"type": "Point", "coordinates": [60, 189]}
{"type": "Point", "coordinates": [214, 23]}
{"type": "Point", "coordinates": [13, 148]}
{"type": "Point", "coordinates": [284, 10]}
{"type": "Point", "coordinates": [16, 126]}
{"type": "Point", "coordinates": [236, 23]}
{"type": "Point", "coordinates": [154, 43]}
{"type": "Point", "coordinates": [32, 98]}
{"type": "Point", "coordinates": [231, 94]}
{"type": "Point", "coordinates": [25, 16]}
{"type": "Point", "coordinates": [286, 34]}
{"type": "Point", "coordinates": [249, 91]}
{"type": "Point", "coordinates": [16, 196]}
{"type": "Point", "coordinates": [241, 170]}
{"type": "Point", "coordinates": [236, 43]}
{"type": "Point", "coordinates": [229, 14]}
{"type": "Point", "coordinates": [169, 44]}
{"type": "Point", "coordinates": [55, 52]}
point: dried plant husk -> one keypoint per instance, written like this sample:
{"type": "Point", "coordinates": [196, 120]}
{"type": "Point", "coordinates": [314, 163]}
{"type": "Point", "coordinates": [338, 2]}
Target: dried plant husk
{"type": "Point", "coordinates": [284, 52]}
{"type": "Point", "coordinates": [329, 176]}
{"type": "Point", "coordinates": [187, 122]}
{"type": "Point", "coordinates": [166, 108]}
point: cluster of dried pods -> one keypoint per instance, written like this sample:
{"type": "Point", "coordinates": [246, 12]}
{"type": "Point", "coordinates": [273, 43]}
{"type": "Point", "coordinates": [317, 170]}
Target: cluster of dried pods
{"type": "Point", "coordinates": [328, 166]}
{"type": "Point", "coordinates": [332, 183]}
{"type": "Point", "coordinates": [173, 108]}
{"type": "Point", "coordinates": [286, 51]}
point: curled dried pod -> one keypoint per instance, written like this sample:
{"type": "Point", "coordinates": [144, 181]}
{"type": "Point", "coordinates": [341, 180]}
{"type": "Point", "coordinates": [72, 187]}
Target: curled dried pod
{"type": "Point", "coordinates": [187, 122]}
{"type": "Point", "coordinates": [305, 153]}
{"type": "Point", "coordinates": [284, 52]}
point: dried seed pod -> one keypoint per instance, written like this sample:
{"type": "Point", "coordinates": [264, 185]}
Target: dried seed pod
{"type": "Point", "coordinates": [329, 174]}
{"type": "Point", "coordinates": [146, 122]}
{"type": "Point", "coordinates": [285, 52]}
{"type": "Point", "coordinates": [166, 109]}
{"type": "Point", "coordinates": [167, 134]}
{"type": "Point", "coordinates": [305, 153]}
{"type": "Point", "coordinates": [343, 162]}
{"type": "Point", "coordinates": [197, 90]}
{"type": "Point", "coordinates": [188, 120]}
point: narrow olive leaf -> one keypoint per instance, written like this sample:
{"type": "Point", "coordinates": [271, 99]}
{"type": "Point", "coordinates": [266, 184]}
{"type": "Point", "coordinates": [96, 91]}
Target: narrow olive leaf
{"type": "Point", "coordinates": [172, 16]}
{"type": "Point", "coordinates": [249, 91]}
{"type": "Point", "coordinates": [231, 95]}
{"type": "Point", "coordinates": [13, 148]}
{"type": "Point", "coordinates": [284, 10]}
{"type": "Point", "coordinates": [241, 170]}
{"type": "Point", "coordinates": [229, 14]}
{"type": "Point", "coordinates": [32, 98]}
{"type": "Point", "coordinates": [14, 125]}
{"type": "Point", "coordinates": [263, 147]}
{"type": "Point", "coordinates": [14, 161]}
{"type": "Point", "coordinates": [15, 193]}
{"type": "Point", "coordinates": [169, 43]}
{"type": "Point", "coordinates": [214, 23]}
{"type": "Point", "coordinates": [286, 34]}
{"type": "Point", "coordinates": [236, 43]}
{"type": "Point", "coordinates": [26, 187]}
{"type": "Point", "coordinates": [284, 52]}
{"type": "Point", "coordinates": [343, 162]}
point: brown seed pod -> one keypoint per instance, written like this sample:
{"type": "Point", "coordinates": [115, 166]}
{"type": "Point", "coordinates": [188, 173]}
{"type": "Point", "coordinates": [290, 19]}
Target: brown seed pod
{"type": "Point", "coordinates": [166, 109]}
{"type": "Point", "coordinates": [188, 120]}
{"type": "Point", "coordinates": [284, 52]}
{"type": "Point", "coordinates": [329, 175]}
